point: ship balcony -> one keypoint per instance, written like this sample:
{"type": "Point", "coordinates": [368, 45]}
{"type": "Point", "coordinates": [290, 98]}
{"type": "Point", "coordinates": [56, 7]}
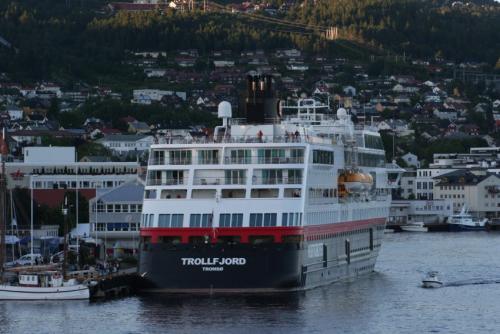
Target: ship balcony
{"type": "Point", "coordinates": [165, 182]}
{"type": "Point", "coordinates": [264, 160]}
{"type": "Point", "coordinates": [276, 180]}
{"type": "Point", "coordinates": [206, 181]}
{"type": "Point", "coordinates": [184, 161]}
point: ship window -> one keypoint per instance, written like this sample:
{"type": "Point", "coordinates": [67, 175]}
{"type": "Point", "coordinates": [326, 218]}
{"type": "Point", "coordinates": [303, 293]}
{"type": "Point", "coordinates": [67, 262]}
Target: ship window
{"type": "Point", "coordinates": [235, 176]}
{"type": "Point", "coordinates": [240, 157]}
{"type": "Point", "coordinates": [180, 157]}
{"type": "Point", "coordinates": [109, 208]}
{"type": "Point", "coordinates": [269, 219]}
{"type": "Point", "coordinates": [294, 176]}
{"type": "Point", "coordinates": [237, 220]}
{"type": "Point", "coordinates": [195, 220]}
{"type": "Point", "coordinates": [206, 220]}
{"type": "Point", "coordinates": [323, 157]}
{"type": "Point", "coordinates": [255, 219]}
{"type": "Point", "coordinates": [225, 220]}
{"type": "Point", "coordinates": [177, 220]}
{"type": "Point", "coordinates": [296, 155]}
{"type": "Point", "coordinates": [271, 156]}
{"type": "Point", "coordinates": [164, 220]}
{"type": "Point", "coordinates": [260, 239]}
{"type": "Point", "coordinates": [373, 142]}
{"type": "Point", "coordinates": [208, 157]}
{"type": "Point", "coordinates": [284, 219]}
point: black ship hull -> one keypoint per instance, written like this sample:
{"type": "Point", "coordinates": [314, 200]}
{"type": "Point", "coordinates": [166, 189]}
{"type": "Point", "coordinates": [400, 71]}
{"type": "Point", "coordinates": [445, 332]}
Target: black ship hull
{"type": "Point", "coordinates": [267, 267]}
{"type": "Point", "coordinates": [185, 268]}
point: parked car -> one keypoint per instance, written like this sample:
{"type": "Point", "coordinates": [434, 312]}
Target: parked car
{"type": "Point", "coordinates": [26, 260]}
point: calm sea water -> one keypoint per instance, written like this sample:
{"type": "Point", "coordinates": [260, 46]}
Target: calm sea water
{"type": "Point", "coordinates": [388, 301]}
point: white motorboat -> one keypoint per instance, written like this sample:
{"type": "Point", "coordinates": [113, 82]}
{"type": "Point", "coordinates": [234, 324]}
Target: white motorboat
{"type": "Point", "coordinates": [432, 280]}
{"type": "Point", "coordinates": [464, 221]}
{"type": "Point", "coordinates": [414, 227]}
{"type": "Point", "coordinates": [47, 285]}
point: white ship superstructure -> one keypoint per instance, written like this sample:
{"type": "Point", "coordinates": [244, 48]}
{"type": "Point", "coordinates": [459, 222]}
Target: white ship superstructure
{"type": "Point", "coordinates": [290, 203]}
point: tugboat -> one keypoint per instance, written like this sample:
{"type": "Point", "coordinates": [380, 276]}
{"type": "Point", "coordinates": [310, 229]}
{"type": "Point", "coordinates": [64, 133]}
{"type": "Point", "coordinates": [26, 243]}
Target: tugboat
{"type": "Point", "coordinates": [432, 281]}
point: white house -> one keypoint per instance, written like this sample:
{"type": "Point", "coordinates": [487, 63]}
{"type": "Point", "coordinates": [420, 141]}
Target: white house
{"type": "Point", "coordinates": [448, 114]}
{"type": "Point", "coordinates": [349, 90]}
{"type": "Point", "coordinates": [411, 159]}
{"type": "Point", "coordinates": [147, 96]}
{"type": "Point", "coordinates": [15, 113]}
{"type": "Point", "coordinates": [125, 144]}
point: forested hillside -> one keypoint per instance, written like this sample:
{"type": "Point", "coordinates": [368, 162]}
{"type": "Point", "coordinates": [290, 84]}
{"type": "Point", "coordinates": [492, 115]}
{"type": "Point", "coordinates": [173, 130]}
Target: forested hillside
{"type": "Point", "coordinates": [51, 39]}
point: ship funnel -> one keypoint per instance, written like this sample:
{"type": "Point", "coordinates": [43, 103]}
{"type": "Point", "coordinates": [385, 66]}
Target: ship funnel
{"type": "Point", "coordinates": [261, 104]}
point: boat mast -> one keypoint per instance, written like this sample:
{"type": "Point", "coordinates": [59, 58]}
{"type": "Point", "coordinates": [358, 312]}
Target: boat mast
{"type": "Point", "coordinates": [3, 213]}
{"type": "Point", "coordinates": [65, 253]}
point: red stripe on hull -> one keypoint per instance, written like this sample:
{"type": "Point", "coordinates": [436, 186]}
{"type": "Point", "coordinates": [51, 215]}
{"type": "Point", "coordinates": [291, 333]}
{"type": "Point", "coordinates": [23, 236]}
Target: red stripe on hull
{"type": "Point", "coordinates": [310, 232]}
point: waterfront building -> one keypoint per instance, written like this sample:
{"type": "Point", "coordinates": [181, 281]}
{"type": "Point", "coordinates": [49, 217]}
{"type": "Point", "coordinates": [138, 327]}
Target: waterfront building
{"type": "Point", "coordinates": [426, 211]}
{"type": "Point", "coordinates": [478, 190]}
{"type": "Point", "coordinates": [114, 216]}
{"type": "Point", "coordinates": [407, 184]}
{"type": "Point", "coordinates": [51, 171]}
{"type": "Point", "coordinates": [424, 182]}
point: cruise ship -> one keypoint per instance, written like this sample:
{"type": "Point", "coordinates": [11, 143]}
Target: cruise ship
{"type": "Point", "coordinates": [287, 198]}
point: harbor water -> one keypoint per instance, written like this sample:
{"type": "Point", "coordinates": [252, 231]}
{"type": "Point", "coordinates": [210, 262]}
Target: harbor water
{"type": "Point", "coordinates": [388, 301]}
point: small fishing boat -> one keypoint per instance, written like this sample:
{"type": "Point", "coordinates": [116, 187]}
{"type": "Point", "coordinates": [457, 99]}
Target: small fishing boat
{"type": "Point", "coordinates": [464, 221]}
{"type": "Point", "coordinates": [48, 285]}
{"type": "Point", "coordinates": [414, 227]}
{"type": "Point", "coordinates": [432, 280]}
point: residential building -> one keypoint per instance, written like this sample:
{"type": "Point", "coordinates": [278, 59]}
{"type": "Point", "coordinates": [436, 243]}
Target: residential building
{"type": "Point", "coordinates": [127, 144]}
{"type": "Point", "coordinates": [479, 191]}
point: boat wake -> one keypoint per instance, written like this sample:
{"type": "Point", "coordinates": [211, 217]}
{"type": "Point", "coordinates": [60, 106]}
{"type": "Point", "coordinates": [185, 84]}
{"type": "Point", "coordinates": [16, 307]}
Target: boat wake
{"type": "Point", "coordinates": [474, 281]}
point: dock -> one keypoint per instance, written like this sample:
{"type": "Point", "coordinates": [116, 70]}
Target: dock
{"type": "Point", "coordinates": [121, 283]}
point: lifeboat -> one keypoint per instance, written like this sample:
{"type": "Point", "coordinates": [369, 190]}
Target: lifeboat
{"type": "Point", "coordinates": [355, 182]}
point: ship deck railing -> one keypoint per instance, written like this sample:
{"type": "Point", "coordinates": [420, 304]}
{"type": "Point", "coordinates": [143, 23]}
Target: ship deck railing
{"type": "Point", "coordinates": [227, 160]}
{"type": "Point", "coordinates": [291, 138]}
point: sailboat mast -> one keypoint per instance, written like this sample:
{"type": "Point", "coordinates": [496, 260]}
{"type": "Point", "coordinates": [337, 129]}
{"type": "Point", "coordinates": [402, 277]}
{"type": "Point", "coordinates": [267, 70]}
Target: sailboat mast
{"type": "Point", "coordinates": [3, 208]}
{"type": "Point", "coordinates": [65, 214]}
